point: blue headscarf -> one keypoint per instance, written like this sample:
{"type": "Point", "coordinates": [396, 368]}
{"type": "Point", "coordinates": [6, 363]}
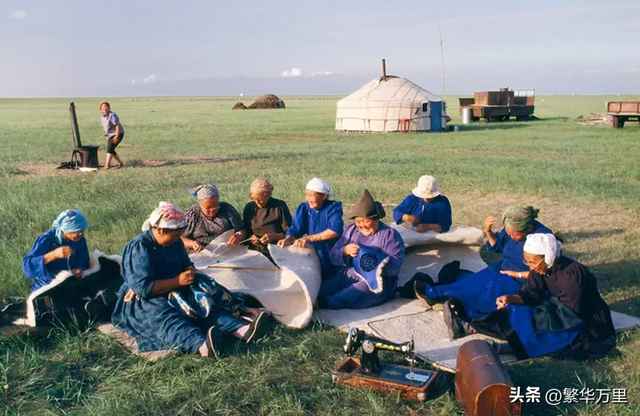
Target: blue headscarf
{"type": "Point", "coordinates": [69, 221]}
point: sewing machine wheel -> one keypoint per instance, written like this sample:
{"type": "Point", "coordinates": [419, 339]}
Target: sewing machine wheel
{"type": "Point", "coordinates": [351, 345]}
{"type": "Point", "coordinates": [368, 347]}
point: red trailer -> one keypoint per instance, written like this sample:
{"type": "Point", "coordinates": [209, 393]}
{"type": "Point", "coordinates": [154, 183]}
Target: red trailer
{"type": "Point", "coordinates": [623, 111]}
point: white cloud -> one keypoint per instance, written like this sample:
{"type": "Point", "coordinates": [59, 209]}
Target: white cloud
{"type": "Point", "coordinates": [146, 80]}
{"type": "Point", "coordinates": [319, 73]}
{"type": "Point", "coordinates": [293, 72]}
{"type": "Point", "coordinates": [18, 15]}
{"type": "Point", "coordinates": [297, 72]}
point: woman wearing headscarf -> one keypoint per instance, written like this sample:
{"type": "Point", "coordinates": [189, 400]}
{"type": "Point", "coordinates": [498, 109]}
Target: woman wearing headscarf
{"type": "Point", "coordinates": [369, 256]}
{"type": "Point", "coordinates": [210, 218]}
{"type": "Point", "coordinates": [317, 222]}
{"type": "Point", "coordinates": [63, 247]}
{"type": "Point", "coordinates": [426, 209]}
{"type": "Point", "coordinates": [154, 264]}
{"type": "Point", "coordinates": [518, 222]}
{"type": "Point", "coordinates": [558, 311]}
{"type": "Point", "coordinates": [559, 308]}
{"type": "Point", "coordinates": [266, 219]}
{"type": "Point", "coordinates": [476, 292]}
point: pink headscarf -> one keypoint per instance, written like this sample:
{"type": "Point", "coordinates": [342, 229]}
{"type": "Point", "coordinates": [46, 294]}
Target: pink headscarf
{"type": "Point", "coordinates": [166, 216]}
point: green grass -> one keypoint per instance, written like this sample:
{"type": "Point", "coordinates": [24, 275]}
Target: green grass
{"type": "Point", "coordinates": [584, 178]}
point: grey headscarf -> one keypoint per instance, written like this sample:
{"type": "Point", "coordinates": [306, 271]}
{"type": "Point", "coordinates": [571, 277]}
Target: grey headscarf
{"type": "Point", "coordinates": [204, 192]}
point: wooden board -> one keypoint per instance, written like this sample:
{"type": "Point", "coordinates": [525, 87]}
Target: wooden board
{"type": "Point", "coordinates": [392, 380]}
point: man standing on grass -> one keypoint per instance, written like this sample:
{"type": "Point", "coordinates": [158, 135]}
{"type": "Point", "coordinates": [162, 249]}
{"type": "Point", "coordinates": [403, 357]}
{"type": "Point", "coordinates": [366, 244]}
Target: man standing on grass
{"type": "Point", "coordinates": [114, 132]}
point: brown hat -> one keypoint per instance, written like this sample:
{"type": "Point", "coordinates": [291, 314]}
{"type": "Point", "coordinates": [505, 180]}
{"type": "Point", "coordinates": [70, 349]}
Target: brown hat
{"type": "Point", "coordinates": [366, 207]}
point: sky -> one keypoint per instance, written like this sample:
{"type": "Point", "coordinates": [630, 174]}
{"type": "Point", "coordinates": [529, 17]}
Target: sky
{"type": "Point", "coordinates": [75, 48]}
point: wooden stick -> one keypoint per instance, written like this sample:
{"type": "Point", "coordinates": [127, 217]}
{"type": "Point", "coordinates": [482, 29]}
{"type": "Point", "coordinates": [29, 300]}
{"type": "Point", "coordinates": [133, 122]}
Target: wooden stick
{"type": "Point", "coordinates": [215, 266]}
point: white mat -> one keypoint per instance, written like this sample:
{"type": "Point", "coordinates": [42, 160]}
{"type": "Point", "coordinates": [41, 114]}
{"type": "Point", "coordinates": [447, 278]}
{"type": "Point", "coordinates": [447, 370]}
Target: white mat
{"type": "Point", "coordinates": [433, 343]}
{"type": "Point", "coordinates": [288, 292]}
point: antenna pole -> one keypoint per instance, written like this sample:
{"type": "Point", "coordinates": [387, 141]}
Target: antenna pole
{"type": "Point", "coordinates": [444, 85]}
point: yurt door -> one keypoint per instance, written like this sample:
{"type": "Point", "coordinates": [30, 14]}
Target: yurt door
{"type": "Point", "coordinates": [435, 116]}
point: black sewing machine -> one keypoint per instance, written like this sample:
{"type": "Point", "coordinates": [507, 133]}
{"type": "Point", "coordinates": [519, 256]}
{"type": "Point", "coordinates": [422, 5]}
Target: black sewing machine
{"type": "Point", "coordinates": [368, 372]}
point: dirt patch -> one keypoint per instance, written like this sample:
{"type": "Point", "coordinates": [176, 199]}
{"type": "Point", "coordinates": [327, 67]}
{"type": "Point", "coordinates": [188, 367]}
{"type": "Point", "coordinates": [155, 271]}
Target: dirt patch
{"type": "Point", "coordinates": [633, 181]}
{"type": "Point", "coordinates": [43, 170]}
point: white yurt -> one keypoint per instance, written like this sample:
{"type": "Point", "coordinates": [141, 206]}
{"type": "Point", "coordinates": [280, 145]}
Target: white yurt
{"type": "Point", "coordinates": [388, 104]}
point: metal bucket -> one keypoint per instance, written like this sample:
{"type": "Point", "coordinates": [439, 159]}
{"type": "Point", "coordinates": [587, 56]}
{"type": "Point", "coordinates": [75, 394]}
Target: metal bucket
{"type": "Point", "coordinates": [467, 115]}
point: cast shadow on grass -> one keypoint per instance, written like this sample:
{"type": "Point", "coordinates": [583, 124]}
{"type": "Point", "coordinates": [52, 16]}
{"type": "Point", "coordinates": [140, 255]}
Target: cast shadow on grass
{"type": "Point", "coordinates": [628, 306]}
{"type": "Point", "coordinates": [494, 126]}
{"type": "Point", "coordinates": [137, 163]}
{"type": "Point", "coordinates": [576, 236]}
{"type": "Point", "coordinates": [624, 274]}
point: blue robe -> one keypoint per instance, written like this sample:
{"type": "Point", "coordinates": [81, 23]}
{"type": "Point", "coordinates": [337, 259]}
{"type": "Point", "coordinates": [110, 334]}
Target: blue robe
{"type": "Point", "coordinates": [511, 250]}
{"type": "Point", "coordinates": [478, 291]}
{"type": "Point", "coordinates": [437, 211]}
{"type": "Point", "coordinates": [346, 289]}
{"type": "Point", "coordinates": [42, 274]}
{"type": "Point", "coordinates": [307, 221]}
{"type": "Point", "coordinates": [571, 286]}
{"type": "Point", "coordinates": [150, 319]}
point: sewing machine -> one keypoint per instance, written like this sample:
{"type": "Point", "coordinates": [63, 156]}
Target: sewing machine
{"type": "Point", "coordinates": [368, 372]}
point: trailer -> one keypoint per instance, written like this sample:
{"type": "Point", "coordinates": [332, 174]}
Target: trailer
{"type": "Point", "coordinates": [623, 111]}
{"type": "Point", "coordinates": [499, 105]}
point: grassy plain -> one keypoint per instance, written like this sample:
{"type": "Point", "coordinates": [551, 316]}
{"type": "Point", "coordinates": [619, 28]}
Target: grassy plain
{"type": "Point", "coordinates": [585, 180]}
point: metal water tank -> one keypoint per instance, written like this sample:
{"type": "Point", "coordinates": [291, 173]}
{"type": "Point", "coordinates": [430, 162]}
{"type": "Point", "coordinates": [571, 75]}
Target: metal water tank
{"type": "Point", "coordinates": [466, 115]}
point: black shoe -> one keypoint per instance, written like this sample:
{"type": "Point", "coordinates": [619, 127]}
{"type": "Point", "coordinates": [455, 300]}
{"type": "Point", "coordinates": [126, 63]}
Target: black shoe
{"type": "Point", "coordinates": [258, 328]}
{"type": "Point", "coordinates": [214, 342]}
{"type": "Point", "coordinates": [420, 290]}
{"type": "Point", "coordinates": [95, 308]}
{"type": "Point", "coordinates": [108, 298]}
{"type": "Point", "coordinates": [455, 329]}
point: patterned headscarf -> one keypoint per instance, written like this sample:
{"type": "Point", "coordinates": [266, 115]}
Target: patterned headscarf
{"type": "Point", "coordinates": [167, 216]}
{"type": "Point", "coordinates": [204, 192]}
{"type": "Point", "coordinates": [544, 245]}
{"type": "Point", "coordinates": [261, 186]}
{"type": "Point", "coordinates": [69, 221]}
{"type": "Point", "coordinates": [519, 218]}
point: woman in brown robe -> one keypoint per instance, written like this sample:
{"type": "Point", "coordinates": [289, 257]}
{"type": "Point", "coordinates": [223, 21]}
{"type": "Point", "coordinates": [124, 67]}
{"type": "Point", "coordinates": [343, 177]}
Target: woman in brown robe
{"type": "Point", "coordinates": [265, 218]}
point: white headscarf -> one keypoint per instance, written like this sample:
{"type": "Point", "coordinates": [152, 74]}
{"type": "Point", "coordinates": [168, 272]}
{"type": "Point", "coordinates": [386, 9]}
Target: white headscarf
{"type": "Point", "coordinates": [319, 186]}
{"type": "Point", "coordinates": [544, 245]}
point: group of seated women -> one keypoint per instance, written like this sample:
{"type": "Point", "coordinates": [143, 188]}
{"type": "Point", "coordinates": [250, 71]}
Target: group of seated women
{"type": "Point", "coordinates": [359, 267]}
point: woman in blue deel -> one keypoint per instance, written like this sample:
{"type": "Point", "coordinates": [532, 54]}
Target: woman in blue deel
{"type": "Point", "coordinates": [63, 247]}
{"type": "Point", "coordinates": [476, 292]}
{"type": "Point", "coordinates": [317, 222]}
{"type": "Point", "coordinates": [426, 209]}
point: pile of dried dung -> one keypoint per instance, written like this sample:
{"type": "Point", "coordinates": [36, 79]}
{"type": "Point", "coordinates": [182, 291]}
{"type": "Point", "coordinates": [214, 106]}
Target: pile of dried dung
{"type": "Point", "coordinates": [267, 101]}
